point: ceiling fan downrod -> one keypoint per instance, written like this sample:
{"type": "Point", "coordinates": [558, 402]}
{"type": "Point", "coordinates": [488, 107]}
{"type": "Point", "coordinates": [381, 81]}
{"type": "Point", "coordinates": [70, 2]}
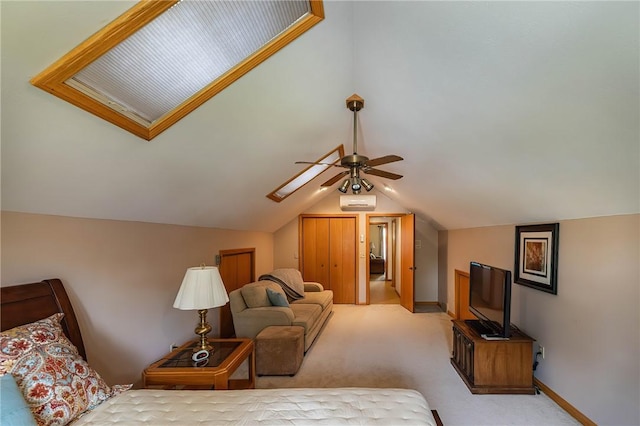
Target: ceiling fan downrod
{"type": "Point", "coordinates": [355, 128]}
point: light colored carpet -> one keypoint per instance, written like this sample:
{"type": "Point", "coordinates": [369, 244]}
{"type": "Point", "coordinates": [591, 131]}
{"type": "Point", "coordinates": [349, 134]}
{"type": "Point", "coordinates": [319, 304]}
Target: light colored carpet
{"type": "Point", "coordinates": [386, 346]}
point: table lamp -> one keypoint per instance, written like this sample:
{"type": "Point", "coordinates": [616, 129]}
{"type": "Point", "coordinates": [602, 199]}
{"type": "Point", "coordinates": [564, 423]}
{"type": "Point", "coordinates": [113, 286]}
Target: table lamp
{"type": "Point", "coordinates": [202, 289]}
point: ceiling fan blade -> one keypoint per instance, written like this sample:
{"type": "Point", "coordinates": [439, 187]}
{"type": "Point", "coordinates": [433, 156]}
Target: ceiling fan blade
{"type": "Point", "coordinates": [335, 179]}
{"type": "Point", "coordinates": [381, 173]}
{"type": "Point", "coordinates": [383, 160]}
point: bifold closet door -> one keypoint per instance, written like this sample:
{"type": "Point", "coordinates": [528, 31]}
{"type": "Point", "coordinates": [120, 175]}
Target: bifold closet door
{"type": "Point", "coordinates": [342, 259]}
{"type": "Point", "coordinates": [329, 255]}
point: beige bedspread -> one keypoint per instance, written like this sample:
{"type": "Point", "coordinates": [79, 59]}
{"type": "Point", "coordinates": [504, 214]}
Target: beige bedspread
{"type": "Point", "coordinates": [363, 406]}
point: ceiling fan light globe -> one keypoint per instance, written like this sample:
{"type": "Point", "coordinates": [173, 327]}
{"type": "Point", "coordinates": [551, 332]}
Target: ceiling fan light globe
{"type": "Point", "coordinates": [355, 185]}
{"type": "Point", "coordinates": [367, 185]}
{"type": "Point", "coordinates": [344, 186]}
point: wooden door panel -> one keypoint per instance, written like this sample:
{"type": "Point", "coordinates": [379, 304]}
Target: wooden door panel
{"type": "Point", "coordinates": [315, 256]}
{"type": "Point", "coordinates": [407, 232]}
{"type": "Point", "coordinates": [322, 252]}
{"type": "Point", "coordinates": [237, 268]}
{"type": "Point", "coordinates": [348, 259]}
{"type": "Point", "coordinates": [335, 260]}
{"type": "Point", "coordinates": [244, 269]}
{"type": "Point", "coordinates": [309, 251]}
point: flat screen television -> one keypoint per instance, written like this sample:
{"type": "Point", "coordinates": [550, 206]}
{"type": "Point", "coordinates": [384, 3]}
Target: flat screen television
{"type": "Point", "coordinates": [490, 298]}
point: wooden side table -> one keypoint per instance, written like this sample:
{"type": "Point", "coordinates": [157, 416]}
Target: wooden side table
{"type": "Point", "coordinates": [177, 369]}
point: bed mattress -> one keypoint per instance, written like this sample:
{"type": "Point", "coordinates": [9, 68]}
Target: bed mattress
{"type": "Point", "coordinates": [299, 406]}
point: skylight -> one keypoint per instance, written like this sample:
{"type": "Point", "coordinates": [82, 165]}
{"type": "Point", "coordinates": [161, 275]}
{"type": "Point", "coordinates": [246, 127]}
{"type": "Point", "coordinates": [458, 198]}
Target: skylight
{"type": "Point", "coordinates": [162, 59]}
{"type": "Point", "coordinates": [305, 176]}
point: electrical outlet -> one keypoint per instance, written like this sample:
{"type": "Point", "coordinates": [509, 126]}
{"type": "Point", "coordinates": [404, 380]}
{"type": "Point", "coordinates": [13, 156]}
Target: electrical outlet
{"type": "Point", "coordinates": [541, 350]}
{"type": "Point", "coordinates": [172, 346]}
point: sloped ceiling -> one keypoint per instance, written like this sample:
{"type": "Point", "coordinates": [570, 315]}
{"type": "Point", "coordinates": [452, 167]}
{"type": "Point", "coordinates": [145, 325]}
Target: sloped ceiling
{"type": "Point", "coordinates": [504, 112]}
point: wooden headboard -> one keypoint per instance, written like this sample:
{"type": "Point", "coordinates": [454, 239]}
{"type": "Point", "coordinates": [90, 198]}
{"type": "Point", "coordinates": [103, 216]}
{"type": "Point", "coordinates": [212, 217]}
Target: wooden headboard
{"type": "Point", "coordinates": [26, 303]}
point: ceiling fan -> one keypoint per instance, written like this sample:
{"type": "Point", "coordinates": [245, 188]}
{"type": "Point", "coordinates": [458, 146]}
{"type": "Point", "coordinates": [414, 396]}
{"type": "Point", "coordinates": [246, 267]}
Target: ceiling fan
{"type": "Point", "coordinates": [356, 163]}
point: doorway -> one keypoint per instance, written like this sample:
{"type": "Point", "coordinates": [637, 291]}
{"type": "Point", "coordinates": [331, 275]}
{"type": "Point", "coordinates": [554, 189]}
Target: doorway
{"type": "Point", "coordinates": [381, 261]}
{"type": "Point", "coordinates": [390, 240]}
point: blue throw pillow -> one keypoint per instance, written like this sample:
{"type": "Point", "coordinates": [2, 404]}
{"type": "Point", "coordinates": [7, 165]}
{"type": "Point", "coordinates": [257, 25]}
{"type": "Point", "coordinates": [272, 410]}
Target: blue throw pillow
{"type": "Point", "coordinates": [276, 298]}
{"type": "Point", "coordinates": [13, 408]}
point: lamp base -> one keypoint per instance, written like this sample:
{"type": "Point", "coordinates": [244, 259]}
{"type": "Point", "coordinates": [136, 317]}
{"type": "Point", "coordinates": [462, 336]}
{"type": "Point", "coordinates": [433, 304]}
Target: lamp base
{"type": "Point", "coordinates": [202, 330]}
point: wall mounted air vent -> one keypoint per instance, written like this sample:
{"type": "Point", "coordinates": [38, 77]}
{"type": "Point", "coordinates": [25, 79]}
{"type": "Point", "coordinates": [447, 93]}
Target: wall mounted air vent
{"type": "Point", "coordinates": [357, 202]}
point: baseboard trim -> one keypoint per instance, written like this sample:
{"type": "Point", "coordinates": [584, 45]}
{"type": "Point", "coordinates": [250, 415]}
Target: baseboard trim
{"type": "Point", "coordinates": [573, 411]}
{"type": "Point", "coordinates": [427, 303]}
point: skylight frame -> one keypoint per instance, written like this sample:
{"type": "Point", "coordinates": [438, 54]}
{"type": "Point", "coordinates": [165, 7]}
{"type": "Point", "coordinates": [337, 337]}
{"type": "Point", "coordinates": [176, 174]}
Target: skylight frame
{"type": "Point", "coordinates": [273, 195]}
{"type": "Point", "coordinates": [53, 79]}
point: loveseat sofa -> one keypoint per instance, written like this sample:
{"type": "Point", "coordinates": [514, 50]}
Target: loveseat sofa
{"type": "Point", "coordinates": [281, 298]}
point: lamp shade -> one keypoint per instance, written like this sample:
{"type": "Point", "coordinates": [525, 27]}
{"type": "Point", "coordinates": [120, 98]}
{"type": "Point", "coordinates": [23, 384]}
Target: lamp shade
{"type": "Point", "coordinates": [202, 288]}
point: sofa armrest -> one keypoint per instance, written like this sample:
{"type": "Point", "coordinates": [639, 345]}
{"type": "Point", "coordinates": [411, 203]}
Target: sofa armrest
{"type": "Point", "coordinates": [313, 287]}
{"type": "Point", "coordinates": [249, 322]}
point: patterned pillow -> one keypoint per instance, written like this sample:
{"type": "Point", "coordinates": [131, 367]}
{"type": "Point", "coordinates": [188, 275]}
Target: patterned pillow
{"type": "Point", "coordinates": [56, 382]}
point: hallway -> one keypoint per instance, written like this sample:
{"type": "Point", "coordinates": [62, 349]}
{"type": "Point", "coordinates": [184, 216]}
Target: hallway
{"type": "Point", "coordinates": [381, 292]}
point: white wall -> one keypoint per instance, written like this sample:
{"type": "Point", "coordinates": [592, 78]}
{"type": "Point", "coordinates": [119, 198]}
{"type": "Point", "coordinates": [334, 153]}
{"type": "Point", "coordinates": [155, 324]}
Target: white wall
{"type": "Point", "coordinates": [426, 252]}
{"type": "Point", "coordinates": [122, 279]}
{"type": "Point", "coordinates": [426, 282]}
{"type": "Point", "coordinates": [591, 328]}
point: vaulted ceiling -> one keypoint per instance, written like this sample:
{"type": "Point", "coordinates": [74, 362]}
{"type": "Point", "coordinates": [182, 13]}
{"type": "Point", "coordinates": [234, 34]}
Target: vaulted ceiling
{"type": "Point", "coordinates": [505, 112]}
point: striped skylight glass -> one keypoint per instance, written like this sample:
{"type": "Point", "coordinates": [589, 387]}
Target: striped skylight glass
{"type": "Point", "coordinates": [182, 51]}
{"type": "Point", "coordinates": [305, 176]}
{"type": "Point", "coordinates": [161, 59]}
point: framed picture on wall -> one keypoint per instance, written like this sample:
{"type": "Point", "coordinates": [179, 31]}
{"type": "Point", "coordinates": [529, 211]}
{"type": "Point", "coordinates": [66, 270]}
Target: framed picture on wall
{"type": "Point", "coordinates": [536, 259]}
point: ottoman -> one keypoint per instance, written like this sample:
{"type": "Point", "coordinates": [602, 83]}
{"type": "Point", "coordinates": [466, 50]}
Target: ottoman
{"type": "Point", "coordinates": [279, 350]}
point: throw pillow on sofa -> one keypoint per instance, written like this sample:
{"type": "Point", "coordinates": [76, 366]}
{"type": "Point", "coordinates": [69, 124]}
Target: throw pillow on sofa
{"type": "Point", "coordinates": [277, 299]}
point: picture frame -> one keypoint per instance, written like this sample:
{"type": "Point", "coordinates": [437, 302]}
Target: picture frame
{"type": "Point", "coordinates": [536, 256]}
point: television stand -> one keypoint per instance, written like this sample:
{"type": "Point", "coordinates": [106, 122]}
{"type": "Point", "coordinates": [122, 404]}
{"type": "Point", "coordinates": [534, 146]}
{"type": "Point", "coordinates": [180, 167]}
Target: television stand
{"type": "Point", "coordinates": [493, 366]}
{"type": "Point", "coordinates": [478, 327]}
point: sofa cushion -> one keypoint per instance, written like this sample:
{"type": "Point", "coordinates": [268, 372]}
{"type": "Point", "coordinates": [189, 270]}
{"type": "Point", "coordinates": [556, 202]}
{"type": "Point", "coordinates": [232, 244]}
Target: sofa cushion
{"type": "Point", "coordinates": [305, 315]}
{"type": "Point", "coordinates": [277, 298]}
{"type": "Point", "coordinates": [322, 298]}
{"type": "Point", "coordinates": [255, 296]}
{"type": "Point", "coordinates": [289, 278]}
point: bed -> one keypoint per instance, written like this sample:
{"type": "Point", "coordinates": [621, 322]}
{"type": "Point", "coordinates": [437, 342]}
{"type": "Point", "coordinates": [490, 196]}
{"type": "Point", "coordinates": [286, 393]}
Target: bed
{"type": "Point", "coordinates": [43, 302]}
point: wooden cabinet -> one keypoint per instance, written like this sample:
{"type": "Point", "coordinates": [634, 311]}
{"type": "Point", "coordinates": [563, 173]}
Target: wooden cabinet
{"type": "Point", "coordinates": [328, 254]}
{"type": "Point", "coordinates": [493, 366]}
